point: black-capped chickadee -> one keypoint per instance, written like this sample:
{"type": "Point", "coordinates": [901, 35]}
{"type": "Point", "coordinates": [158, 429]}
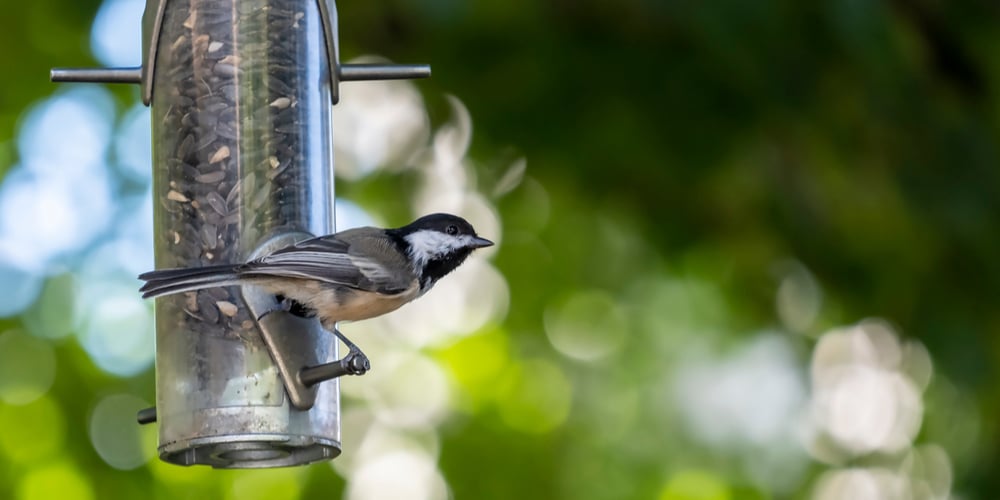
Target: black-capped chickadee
{"type": "Point", "coordinates": [348, 276]}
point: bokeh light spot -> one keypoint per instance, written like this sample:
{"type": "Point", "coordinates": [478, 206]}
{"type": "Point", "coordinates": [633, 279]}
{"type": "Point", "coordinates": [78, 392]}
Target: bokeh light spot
{"type": "Point", "coordinates": [867, 410]}
{"type": "Point", "coordinates": [611, 407]}
{"type": "Point", "coordinates": [69, 133]}
{"type": "Point", "coordinates": [409, 390]}
{"type": "Point", "coordinates": [133, 149]}
{"type": "Point", "coordinates": [60, 480]}
{"type": "Point", "coordinates": [586, 326]}
{"type": "Point", "coordinates": [20, 286]}
{"type": "Point", "coordinates": [349, 214]}
{"type": "Point", "coordinates": [475, 363]}
{"type": "Point", "coordinates": [747, 397]}
{"type": "Point", "coordinates": [799, 297]}
{"type": "Point", "coordinates": [129, 250]}
{"type": "Point", "coordinates": [32, 432]}
{"type": "Point", "coordinates": [54, 315]}
{"type": "Point", "coordinates": [672, 312]}
{"type": "Point", "coordinates": [406, 473]}
{"type": "Point", "coordinates": [118, 332]}
{"type": "Point", "coordinates": [266, 484]}
{"type": "Point", "coordinates": [27, 367]}
{"type": "Point", "coordinates": [864, 400]}
{"type": "Point", "coordinates": [76, 208]}
{"type": "Point", "coordinates": [695, 485]}
{"type": "Point", "coordinates": [929, 469]}
{"type": "Point", "coordinates": [63, 142]}
{"type": "Point", "coordinates": [356, 421]}
{"type": "Point", "coordinates": [917, 364]}
{"type": "Point", "coordinates": [378, 124]}
{"type": "Point", "coordinates": [860, 484]}
{"type": "Point", "coordinates": [535, 396]}
{"type": "Point", "coordinates": [114, 434]}
{"type": "Point", "coordinates": [375, 439]}
{"type": "Point", "coordinates": [115, 36]}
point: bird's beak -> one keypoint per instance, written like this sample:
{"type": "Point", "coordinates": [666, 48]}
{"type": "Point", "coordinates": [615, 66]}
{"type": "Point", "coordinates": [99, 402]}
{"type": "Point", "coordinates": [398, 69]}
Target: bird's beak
{"type": "Point", "coordinates": [478, 242]}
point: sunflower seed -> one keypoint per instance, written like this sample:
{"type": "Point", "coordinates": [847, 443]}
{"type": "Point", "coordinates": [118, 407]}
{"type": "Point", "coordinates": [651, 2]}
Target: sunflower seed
{"type": "Point", "coordinates": [211, 178]}
{"type": "Point", "coordinates": [219, 155]}
{"type": "Point", "coordinates": [227, 308]}
{"type": "Point", "coordinates": [175, 196]}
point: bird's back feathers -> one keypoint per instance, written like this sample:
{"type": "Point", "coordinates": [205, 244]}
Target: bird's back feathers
{"type": "Point", "coordinates": [343, 259]}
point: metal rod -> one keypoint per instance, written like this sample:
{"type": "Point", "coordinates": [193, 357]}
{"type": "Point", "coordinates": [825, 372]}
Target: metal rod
{"type": "Point", "coordinates": [96, 75]}
{"type": "Point", "coordinates": [312, 375]}
{"type": "Point", "coordinates": [349, 365]}
{"type": "Point", "coordinates": [146, 415]}
{"type": "Point", "coordinates": [362, 72]}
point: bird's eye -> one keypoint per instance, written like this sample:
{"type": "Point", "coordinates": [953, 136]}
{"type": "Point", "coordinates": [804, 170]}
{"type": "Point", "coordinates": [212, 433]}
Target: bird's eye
{"type": "Point", "coordinates": [452, 229]}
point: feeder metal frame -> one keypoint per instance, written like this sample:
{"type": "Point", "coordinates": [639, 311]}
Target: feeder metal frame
{"type": "Point", "coordinates": [152, 19]}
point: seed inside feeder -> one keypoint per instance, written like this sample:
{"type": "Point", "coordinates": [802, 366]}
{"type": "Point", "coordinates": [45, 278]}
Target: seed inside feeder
{"type": "Point", "coordinates": [236, 115]}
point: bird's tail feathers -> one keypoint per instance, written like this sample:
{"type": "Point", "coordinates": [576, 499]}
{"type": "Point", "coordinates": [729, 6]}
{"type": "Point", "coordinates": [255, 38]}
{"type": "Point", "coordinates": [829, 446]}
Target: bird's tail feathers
{"type": "Point", "coordinates": [171, 281]}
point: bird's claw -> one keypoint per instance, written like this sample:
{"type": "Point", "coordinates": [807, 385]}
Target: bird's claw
{"type": "Point", "coordinates": [356, 363]}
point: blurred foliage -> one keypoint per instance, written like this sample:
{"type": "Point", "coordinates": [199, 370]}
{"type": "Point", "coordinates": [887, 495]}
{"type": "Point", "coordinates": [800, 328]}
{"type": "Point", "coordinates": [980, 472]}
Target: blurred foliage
{"type": "Point", "coordinates": [677, 153]}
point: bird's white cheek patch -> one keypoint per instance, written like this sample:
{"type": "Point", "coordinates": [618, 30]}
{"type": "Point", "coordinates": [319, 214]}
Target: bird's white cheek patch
{"type": "Point", "coordinates": [426, 245]}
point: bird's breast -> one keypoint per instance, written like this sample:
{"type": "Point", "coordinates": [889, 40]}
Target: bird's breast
{"type": "Point", "coordinates": [347, 304]}
{"type": "Point", "coordinates": [340, 303]}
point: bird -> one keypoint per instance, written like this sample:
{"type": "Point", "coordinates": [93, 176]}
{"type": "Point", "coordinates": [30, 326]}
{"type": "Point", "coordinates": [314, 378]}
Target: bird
{"type": "Point", "coordinates": [351, 275]}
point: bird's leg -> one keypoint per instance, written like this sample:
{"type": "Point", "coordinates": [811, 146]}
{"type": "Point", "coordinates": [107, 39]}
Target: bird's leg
{"type": "Point", "coordinates": [355, 362]}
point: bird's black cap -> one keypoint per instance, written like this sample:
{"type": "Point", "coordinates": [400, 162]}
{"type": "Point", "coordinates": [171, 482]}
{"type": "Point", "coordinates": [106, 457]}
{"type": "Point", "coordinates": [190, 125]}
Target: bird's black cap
{"type": "Point", "coordinates": [445, 223]}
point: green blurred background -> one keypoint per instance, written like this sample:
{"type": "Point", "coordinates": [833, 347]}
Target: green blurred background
{"type": "Point", "coordinates": [747, 250]}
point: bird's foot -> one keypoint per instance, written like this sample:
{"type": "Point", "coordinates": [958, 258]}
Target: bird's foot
{"type": "Point", "coordinates": [355, 362]}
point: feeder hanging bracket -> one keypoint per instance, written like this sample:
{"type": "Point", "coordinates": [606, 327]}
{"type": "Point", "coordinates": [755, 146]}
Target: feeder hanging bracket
{"type": "Point", "coordinates": [152, 19]}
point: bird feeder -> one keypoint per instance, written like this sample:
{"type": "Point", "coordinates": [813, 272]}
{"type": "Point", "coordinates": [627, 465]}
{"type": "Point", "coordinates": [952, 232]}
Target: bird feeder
{"type": "Point", "coordinates": [241, 93]}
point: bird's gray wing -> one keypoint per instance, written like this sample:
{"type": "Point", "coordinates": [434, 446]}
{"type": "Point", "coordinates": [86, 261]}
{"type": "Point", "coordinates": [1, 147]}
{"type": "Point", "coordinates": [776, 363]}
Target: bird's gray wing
{"type": "Point", "coordinates": [331, 259]}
